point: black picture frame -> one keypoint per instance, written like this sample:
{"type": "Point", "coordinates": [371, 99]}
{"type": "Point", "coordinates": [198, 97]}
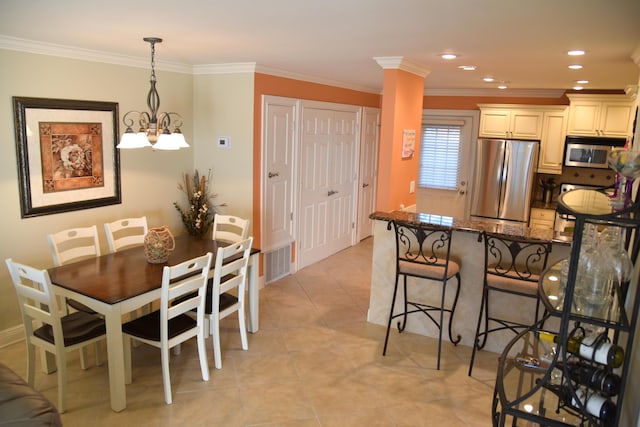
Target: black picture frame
{"type": "Point", "coordinates": [66, 154]}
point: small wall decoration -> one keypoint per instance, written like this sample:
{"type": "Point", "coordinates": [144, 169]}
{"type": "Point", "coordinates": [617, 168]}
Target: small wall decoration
{"type": "Point", "coordinates": [67, 156]}
{"type": "Point", "coordinates": [408, 143]}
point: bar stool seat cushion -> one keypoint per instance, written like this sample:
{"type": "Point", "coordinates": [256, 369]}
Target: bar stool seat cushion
{"type": "Point", "coordinates": [514, 284]}
{"type": "Point", "coordinates": [434, 271]}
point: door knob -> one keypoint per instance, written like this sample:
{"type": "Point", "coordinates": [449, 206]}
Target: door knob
{"type": "Point", "coordinates": [332, 192]}
{"type": "Point", "coordinates": [272, 174]}
{"type": "Point", "coordinates": [365, 185]}
{"type": "Point", "coordinates": [461, 192]}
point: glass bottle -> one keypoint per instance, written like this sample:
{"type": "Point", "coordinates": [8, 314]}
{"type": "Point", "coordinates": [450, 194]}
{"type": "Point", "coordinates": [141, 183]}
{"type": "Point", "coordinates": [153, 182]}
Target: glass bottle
{"type": "Point", "coordinates": [621, 266]}
{"type": "Point", "coordinates": [594, 404]}
{"type": "Point", "coordinates": [595, 377]}
{"type": "Point", "coordinates": [590, 348]}
{"type": "Point", "coordinates": [593, 284]}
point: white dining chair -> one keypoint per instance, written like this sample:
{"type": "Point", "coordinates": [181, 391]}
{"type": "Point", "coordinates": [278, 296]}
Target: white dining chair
{"type": "Point", "coordinates": [74, 244]}
{"type": "Point", "coordinates": [58, 334]}
{"type": "Point", "coordinates": [229, 228]}
{"type": "Point", "coordinates": [170, 326]}
{"type": "Point", "coordinates": [229, 274]}
{"type": "Point", "coordinates": [126, 232]}
{"type": "Point", "coordinates": [71, 245]}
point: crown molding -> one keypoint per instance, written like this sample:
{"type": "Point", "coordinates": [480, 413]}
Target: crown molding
{"type": "Point", "coordinates": [31, 46]}
{"type": "Point", "coordinates": [231, 68]}
{"type": "Point", "coordinates": [502, 93]}
{"type": "Point", "coordinates": [41, 48]}
{"type": "Point", "coordinates": [400, 63]}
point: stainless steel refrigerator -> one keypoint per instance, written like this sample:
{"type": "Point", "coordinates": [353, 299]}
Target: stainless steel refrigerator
{"type": "Point", "coordinates": [503, 185]}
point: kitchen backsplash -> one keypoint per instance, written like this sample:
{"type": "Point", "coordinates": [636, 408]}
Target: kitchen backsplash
{"type": "Point", "coordinates": [584, 176]}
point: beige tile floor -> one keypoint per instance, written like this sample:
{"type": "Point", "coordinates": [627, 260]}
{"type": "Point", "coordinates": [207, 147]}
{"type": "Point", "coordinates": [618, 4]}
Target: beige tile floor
{"type": "Point", "coordinates": [314, 362]}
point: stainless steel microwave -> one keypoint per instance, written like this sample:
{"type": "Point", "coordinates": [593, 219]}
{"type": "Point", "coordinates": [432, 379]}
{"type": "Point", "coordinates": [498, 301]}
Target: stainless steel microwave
{"type": "Point", "coordinates": [589, 152]}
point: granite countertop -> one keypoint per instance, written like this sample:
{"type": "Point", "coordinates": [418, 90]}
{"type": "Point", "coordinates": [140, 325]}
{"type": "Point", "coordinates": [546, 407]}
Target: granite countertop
{"type": "Point", "coordinates": [476, 226]}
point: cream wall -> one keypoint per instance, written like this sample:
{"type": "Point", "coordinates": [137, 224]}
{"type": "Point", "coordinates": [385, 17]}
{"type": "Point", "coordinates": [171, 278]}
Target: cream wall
{"type": "Point", "coordinates": [148, 178]}
{"type": "Point", "coordinates": [223, 106]}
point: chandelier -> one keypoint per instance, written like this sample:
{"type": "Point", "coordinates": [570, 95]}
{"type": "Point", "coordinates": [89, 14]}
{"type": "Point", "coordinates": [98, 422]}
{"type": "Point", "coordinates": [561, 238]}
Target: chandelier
{"type": "Point", "coordinates": [153, 126]}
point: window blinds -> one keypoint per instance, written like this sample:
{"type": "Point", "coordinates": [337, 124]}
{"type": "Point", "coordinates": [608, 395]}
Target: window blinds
{"type": "Point", "coordinates": [439, 156]}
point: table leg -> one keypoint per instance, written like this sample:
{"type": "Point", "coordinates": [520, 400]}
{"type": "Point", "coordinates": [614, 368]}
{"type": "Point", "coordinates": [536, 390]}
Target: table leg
{"type": "Point", "coordinates": [254, 293]}
{"type": "Point", "coordinates": [115, 354]}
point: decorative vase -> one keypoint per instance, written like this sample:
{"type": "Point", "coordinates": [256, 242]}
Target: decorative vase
{"type": "Point", "coordinates": [158, 245]}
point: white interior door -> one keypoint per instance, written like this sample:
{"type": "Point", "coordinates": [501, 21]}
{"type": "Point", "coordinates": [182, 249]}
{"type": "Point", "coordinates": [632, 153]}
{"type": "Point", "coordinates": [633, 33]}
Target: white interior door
{"type": "Point", "coordinates": [454, 203]}
{"type": "Point", "coordinates": [367, 182]}
{"type": "Point", "coordinates": [278, 171]}
{"type": "Point", "coordinates": [328, 174]}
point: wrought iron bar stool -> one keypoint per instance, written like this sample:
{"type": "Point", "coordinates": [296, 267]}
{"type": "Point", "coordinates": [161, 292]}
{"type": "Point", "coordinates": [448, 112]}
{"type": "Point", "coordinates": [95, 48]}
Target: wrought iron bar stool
{"type": "Point", "coordinates": [423, 251]}
{"type": "Point", "coordinates": [512, 265]}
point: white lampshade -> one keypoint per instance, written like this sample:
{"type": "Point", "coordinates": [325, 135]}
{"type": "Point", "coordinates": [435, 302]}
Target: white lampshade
{"type": "Point", "coordinates": [179, 137]}
{"type": "Point", "coordinates": [133, 140]}
{"type": "Point", "coordinates": [166, 141]}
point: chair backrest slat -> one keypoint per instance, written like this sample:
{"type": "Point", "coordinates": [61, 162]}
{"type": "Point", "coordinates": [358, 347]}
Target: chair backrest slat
{"type": "Point", "coordinates": [126, 232]}
{"type": "Point", "coordinates": [423, 244]}
{"type": "Point", "coordinates": [74, 244]}
{"type": "Point", "coordinates": [36, 300]}
{"type": "Point", "coordinates": [187, 279]}
{"type": "Point", "coordinates": [515, 257]}
{"type": "Point", "coordinates": [229, 228]}
{"type": "Point", "coordinates": [230, 271]}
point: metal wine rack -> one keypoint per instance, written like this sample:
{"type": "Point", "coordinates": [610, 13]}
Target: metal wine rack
{"type": "Point", "coordinates": [529, 368]}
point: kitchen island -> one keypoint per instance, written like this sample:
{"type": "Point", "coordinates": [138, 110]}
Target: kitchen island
{"type": "Point", "coordinates": [469, 250]}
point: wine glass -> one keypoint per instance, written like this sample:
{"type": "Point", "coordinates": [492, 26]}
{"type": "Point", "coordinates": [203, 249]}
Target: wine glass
{"type": "Point", "coordinates": [626, 163]}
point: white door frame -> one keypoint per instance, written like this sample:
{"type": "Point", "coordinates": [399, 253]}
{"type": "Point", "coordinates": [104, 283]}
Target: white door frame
{"type": "Point", "coordinates": [364, 225]}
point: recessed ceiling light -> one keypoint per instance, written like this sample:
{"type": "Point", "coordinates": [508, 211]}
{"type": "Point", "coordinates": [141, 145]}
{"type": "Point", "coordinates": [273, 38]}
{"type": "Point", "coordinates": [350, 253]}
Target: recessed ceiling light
{"type": "Point", "coordinates": [502, 86]}
{"type": "Point", "coordinates": [488, 79]}
{"type": "Point", "coordinates": [582, 82]}
{"type": "Point", "coordinates": [448, 56]}
{"type": "Point", "coordinates": [575, 66]}
{"type": "Point", "coordinates": [575, 52]}
{"type": "Point", "coordinates": [467, 67]}
{"type": "Point", "coordinates": [578, 88]}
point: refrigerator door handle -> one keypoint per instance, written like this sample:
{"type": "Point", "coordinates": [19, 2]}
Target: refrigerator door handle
{"type": "Point", "coordinates": [503, 178]}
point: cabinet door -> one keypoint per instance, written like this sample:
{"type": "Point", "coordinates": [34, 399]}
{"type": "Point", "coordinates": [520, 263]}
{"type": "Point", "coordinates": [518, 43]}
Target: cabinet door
{"type": "Point", "coordinates": [584, 117]}
{"type": "Point", "coordinates": [495, 123]}
{"type": "Point", "coordinates": [552, 142]}
{"type": "Point", "coordinates": [615, 119]}
{"type": "Point", "coordinates": [525, 124]}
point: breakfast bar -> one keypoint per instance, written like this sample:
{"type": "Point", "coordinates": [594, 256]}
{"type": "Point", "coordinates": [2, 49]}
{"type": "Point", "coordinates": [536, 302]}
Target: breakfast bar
{"type": "Point", "coordinates": [469, 251]}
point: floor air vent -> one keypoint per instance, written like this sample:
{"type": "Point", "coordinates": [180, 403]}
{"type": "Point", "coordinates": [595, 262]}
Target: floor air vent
{"type": "Point", "coordinates": [278, 264]}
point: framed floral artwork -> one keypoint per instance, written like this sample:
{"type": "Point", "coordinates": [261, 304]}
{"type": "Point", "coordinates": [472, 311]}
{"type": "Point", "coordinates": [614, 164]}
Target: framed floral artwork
{"type": "Point", "coordinates": [67, 156]}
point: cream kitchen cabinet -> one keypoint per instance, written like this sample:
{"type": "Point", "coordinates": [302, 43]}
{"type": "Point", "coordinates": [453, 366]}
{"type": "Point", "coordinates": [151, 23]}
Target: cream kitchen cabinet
{"type": "Point", "coordinates": [542, 218]}
{"type": "Point", "coordinates": [510, 123]}
{"type": "Point", "coordinates": [600, 115]}
{"type": "Point", "coordinates": [546, 123]}
{"type": "Point", "coordinates": [554, 131]}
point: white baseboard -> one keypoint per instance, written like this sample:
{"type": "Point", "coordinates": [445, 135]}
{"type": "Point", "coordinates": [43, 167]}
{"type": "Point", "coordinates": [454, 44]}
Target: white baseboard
{"type": "Point", "coordinates": [11, 335]}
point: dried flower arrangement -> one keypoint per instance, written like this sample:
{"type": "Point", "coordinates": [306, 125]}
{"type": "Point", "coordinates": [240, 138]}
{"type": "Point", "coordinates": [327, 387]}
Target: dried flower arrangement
{"type": "Point", "coordinates": [198, 216]}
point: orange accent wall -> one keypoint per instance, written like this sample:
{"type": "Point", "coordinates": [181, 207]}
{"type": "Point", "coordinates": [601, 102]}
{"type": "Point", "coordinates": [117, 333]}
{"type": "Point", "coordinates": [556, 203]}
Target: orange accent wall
{"type": "Point", "coordinates": [401, 109]}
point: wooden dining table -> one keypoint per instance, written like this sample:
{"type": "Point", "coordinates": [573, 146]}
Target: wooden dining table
{"type": "Point", "coordinates": [119, 283]}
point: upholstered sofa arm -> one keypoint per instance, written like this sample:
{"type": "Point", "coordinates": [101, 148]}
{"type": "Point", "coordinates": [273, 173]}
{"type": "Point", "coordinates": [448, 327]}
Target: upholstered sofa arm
{"type": "Point", "coordinates": [21, 405]}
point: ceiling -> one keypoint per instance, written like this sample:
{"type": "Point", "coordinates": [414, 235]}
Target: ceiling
{"type": "Point", "coordinates": [522, 42]}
